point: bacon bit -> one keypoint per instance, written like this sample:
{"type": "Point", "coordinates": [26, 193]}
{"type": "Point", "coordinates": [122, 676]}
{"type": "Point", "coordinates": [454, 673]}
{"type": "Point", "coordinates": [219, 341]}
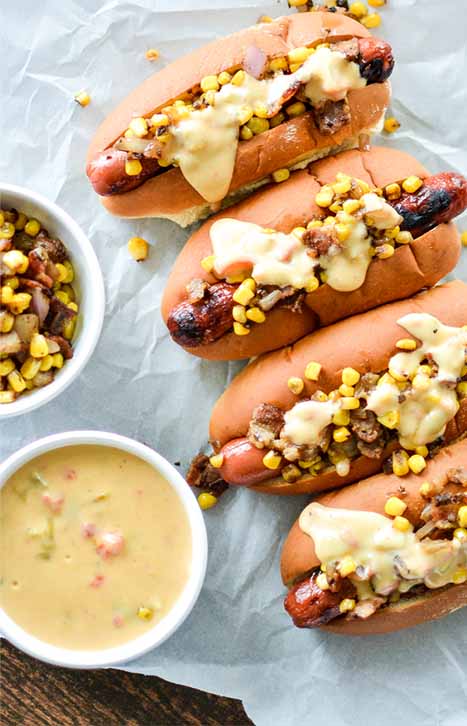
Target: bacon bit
{"type": "Point", "coordinates": [118, 621]}
{"type": "Point", "coordinates": [88, 530]}
{"type": "Point", "coordinates": [55, 504]}
{"type": "Point", "coordinates": [109, 544]}
{"type": "Point", "coordinates": [97, 581]}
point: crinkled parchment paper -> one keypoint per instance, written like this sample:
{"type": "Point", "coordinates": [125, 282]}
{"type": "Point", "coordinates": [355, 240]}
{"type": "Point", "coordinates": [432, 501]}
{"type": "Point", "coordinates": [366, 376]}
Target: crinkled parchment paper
{"type": "Point", "coordinates": [238, 640]}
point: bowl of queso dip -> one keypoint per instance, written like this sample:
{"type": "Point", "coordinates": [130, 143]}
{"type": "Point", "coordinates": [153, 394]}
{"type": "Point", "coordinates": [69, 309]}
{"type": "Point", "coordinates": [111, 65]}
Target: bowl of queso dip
{"type": "Point", "coordinates": [103, 549]}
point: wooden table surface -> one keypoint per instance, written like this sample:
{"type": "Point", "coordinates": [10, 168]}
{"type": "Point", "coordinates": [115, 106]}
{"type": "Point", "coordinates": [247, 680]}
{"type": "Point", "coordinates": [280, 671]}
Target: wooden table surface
{"type": "Point", "coordinates": [35, 694]}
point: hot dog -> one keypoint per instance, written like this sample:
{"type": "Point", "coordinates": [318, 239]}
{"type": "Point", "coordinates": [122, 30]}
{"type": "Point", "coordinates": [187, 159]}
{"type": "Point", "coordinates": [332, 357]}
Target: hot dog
{"type": "Point", "coordinates": [379, 390]}
{"type": "Point", "coordinates": [395, 554]}
{"type": "Point", "coordinates": [328, 275]}
{"type": "Point", "coordinates": [218, 123]}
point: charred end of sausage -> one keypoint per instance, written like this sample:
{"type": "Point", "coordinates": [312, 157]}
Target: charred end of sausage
{"type": "Point", "coordinates": [205, 321]}
{"type": "Point", "coordinates": [441, 198]}
{"type": "Point", "coordinates": [310, 607]}
{"type": "Point", "coordinates": [375, 60]}
{"type": "Point", "coordinates": [106, 172]}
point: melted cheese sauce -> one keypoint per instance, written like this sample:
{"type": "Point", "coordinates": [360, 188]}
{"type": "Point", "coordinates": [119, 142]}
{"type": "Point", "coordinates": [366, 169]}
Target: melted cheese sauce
{"type": "Point", "coordinates": [204, 145]}
{"type": "Point", "coordinates": [393, 560]}
{"type": "Point", "coordinates": [89, 535]}
{"type": "Point", "coordinates": [275, 258]}
{"type": "Point", "coordinates": [305, 422]}
{"type": "Point", "coordinates": [430, 404]}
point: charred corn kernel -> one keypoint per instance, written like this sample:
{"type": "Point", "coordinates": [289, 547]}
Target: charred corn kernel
{"type": "Point", "coordinates": [350, 403]}
{"type": "Point", "coordinates": [384, 251]}
{"type": "Point", "coordinates": [30, 368]}
{"type": "Point", "coordinates": [306, 464]}
{"type": "Point", "coordinates": [240, 329]}
{"type": "Point", "coordinates": [400, 463]}
{"type": "Point", "coordinates": [462, 516]}
{"type": "Point", "coordinates": [358, 9]}
{"type": "Point", "coordinates": [83, 98]}
{"type": "Point", "coordinates": [348, 603]}
{"type": "Point", "coordinates": [159, 119]}
{"type": "Point", "coordinates": [7, 230]}
{"type": "Point", "coordinates": [312, 370]}
{"type": "Point", "coordinates": [417, 463]}
{"type": "Point", "coordinates": [16, 261]}
{"type": "Point", "coordinates": [295, 109]}
{"type": "Point", "coordinates": [239, 313]}
{"type": "Point", "coordinates": [296, 385]}
{"type": "Point", "coordinates": [246, 134]}
{"type": "Point", "coordinates": [406, 344]}
{"type": "Point", "coordinates": [350, 377]}
{"type": "Point", "coordinates": [391, 419]}
{"type": "Point", "coordinates": [7, 320]}
{"type": "Point", "coordinates": [404, 238]}
{"type": "Point", "coordinates": [133, 167]}
{"type": "Point", "coordinates": [152, 54]}
{"type": "Point", "coordinates": [345, 390]}
{"type": "Point", "coordinates": [32, 227]}
{"type": "Point", "coordinates": [422, 450]}
{"type": "Point", "coordinates": [341, 418]}
{"type": "Point", "coordinates": [6, 366]}
{"type": "Point", "coordinates": [278, 64]}
{"type": "Point", "coordinates": [62, 272]}
{"type": "Point", "coordinates": [346, 566]}
{"type": "Point", "coordinates": [256, 315]}
{"type": "Point", "coordinates": [16, 381]}
{"type": "Point", "coordinates": [46, 363]}
{"type": "Point", "coordinates": [314, 223]}
{"type": "Point", "coordinates": [280, 175]}
{"type": "Point", "coordinates": [258, 125]}
{"type": "Point", "coordinates": [322, 581]}
{"type": "Point", "coordinates": [376, 3]}
{"type": "Point", "coordinates": [412, 184]}
{"type": "Point", "coordinates": [350, 206]}
{"type": "Point", "coordinates": [206, 500]}
{"type": "Point", "coordinates": [464, 238]}
{"type": "Point", "coordinates": [238, 78]}
{"type": "Point", "coordinates": [300, 55]}
{"type": "Point", "coordinates": [69, 328]}
{"type": "Point", "coordinates": [62, 296]}
{"type": "Point", "coordinates": [272, 460]}
{"type": "Point", "coordinates": [341, 434]}
{"type": "Point", "coordinates": [460, 576]}
{"type": "Point", "coordinates": [7, 396]}
{"type": "Point", "coordinates": [139, 126]}
{"type": "Point", "coordinates": [392, 191]}
{"type": "Point", "coordinates": [224, 78]}
{"type": "Point", "coordinates": [372, 20]}
{"type": "Point", "coordinates": [38, 347]}
{"type": "Point", "coordinates": [209, 83]}
{"type": "Point", "coordinates": [20, 302]}
{"type": "Point", "coordinates": [402, 524]}
{"type": "Point", "coordinates": [394, 507]}
{"type": "Point", "coordinates": [342, 187]}
{"type": "Point", "coordinates": [312, 284]}
{"type": "Point", "coordinates": [325, 196]}
{"type": "Point", "coordinates": [462, 388]}
{"type": "Point", "coordinates": [392, 232]}
{"type": "Point", "coordinates": [138, 248]}
{"type": "Point", "coordinates": [243, 294]}
{"type": "Point", "coordinates": [145, 613]}
{"type": "Point", "coordinates": [276, 120]}
{"type": "Point", "coordinates": [343, 232]}
{"type": "Point", "coordinates": [216, 461]}
{"type": "Point", "coordinates": [460, 534]}
{"type": "Point", "coordinates": [57, 360]}
{"type": "Point", "coordinates": [20, 221]}
{"type": "Point", "coordinates": [207, 263]}
{"type": "Point", "coordinates": [426, 489]}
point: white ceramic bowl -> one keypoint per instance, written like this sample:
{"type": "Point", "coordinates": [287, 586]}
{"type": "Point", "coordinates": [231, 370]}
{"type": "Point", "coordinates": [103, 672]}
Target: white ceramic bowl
{"type": "Point", "coordinates": [183, 606]}
{"type": "Point", "coordinates": [89, 287]}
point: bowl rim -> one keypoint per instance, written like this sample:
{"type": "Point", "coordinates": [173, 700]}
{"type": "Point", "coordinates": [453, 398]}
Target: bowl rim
{"type": "Point", "coordinates": [91, 326]}
{"type": "Point", "coordinates": [82, 659]}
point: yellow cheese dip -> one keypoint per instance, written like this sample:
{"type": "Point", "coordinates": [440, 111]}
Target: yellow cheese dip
{"type": "Point", "coordinates": [95, 547]}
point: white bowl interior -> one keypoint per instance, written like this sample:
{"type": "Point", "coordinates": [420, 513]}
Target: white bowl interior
{"type": "Point", "coordinates": [88, 284]}
{"type": "Point", "coordinates": [185, 602]}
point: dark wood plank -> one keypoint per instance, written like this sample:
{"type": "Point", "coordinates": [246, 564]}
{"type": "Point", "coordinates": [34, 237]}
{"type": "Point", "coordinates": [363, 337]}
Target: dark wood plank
{"type": "Point", "coordinates": [35, 694]}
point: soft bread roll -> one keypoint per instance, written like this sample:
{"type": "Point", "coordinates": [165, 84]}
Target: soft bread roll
{"type": "Point", "coordinates": [292, 144]}
{"type": "Point", "coordinates": [290, 204]}
{"type": "Point", "coordinates": [299, 558]}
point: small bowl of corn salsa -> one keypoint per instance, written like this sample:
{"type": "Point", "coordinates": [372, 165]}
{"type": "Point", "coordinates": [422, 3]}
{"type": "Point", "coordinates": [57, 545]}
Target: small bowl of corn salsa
{"type": "Point", "coordinates": [103, 549]}
{"type": "Point", "coordinates": [51, 300]}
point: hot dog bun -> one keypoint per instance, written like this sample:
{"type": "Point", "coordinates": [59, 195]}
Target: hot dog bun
{"type": "Point", "coordinates": [365, 342]}
{"type": "Point", "coordinates": [290, 204]}
{"type": "Point", "coordinates": [299, 557]}
{"type": "Point", "coordinates": [292, 144]}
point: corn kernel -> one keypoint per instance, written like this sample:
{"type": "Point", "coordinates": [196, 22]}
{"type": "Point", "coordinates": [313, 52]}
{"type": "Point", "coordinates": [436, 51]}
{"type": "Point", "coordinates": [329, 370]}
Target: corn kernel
{"type": "Point", "coordinates": [335, 207]}
{"type": "Point", "coordinates": [7, 397]}
{"type": "Point", "coordinates": [62, 296]}
{"type": "Point", "coordinates": [83, 98]}
{"type": "Point", "coordinates": [376, 3]}
{"type": "Point", "coordinates": [342, 187]}
{"type": "Point", "coordinates": [207, 263]}
{"type": "Point", "coordinates": [350, 377]}
{"type": "Point", "coordinates": [402, 524]}
{"type": "Point", "coordinates": [400, 463]}
{"type": "Point", "coordinates": [239, 313]}
{"type": "Point", "coordinates": [158, 120]}
{"type": "Point", "coordinates": [325, 196]}
{"type": "Point", "coordinates": [16, 261]}
{"type": "Point", "coordinates": [321, 396]}
{"type": "Point", "coordinates": [346, 390]}
{"type": "Point", "coordinates": [291, 473]}
{"type": "Point", "coordinates": [133, 167]}
{"type": "Point", "coordinates": [138, 248]}
{"type": "Point", "coordinates": [280, 175]}
{"type": "Point", "coordinates": [139, 126]}
{"type": "Point", "coordinates": [406, 344]}
{"type": "Point", "coordinates": [206, 500]}
{"type": "Point", "coordinates": [460, 533]}
{"type": "Point", "coordinates": [32, 227]}
{"type": "Point", "coordinates": [6, 367]}
{"type": "Point", "coordinates": [384, 251]}
{"type": "Point", "coordinates": [256, 315]}
{"type": "Point", "coordinates": [394, 507]}
{"type": "Point", "coordinates": [464, 238]}
{"type": "Point", "coordinates": [46, 363]}
{"type": "Point", "coordinates": [299, 55]}
{"type": "Point", "coordinates": [342, 231]}
{"type": "Point", "coordinates": [224, 77]}
{"type": "Point", "coordinates": [152, 54]}
{"type": "Point", "coordinates": [245, 113]}
{"type": "Point", "coordinates": [461, 388]}
{"type": "Point", "coordinates": [373, 20]}
{"type": "Point", "coordinates": [347, 605]}
{"type": "Point", "coordinates": [238, 78]}
{"type": "Point", "coordinates": [233, 279]}
{"type": "Point", "coordinates": [258, 125]}
{"type": "Point", "coordinates": [246, 134]}
{"type": "Point", "coordinates": [57, 360]}
{"type": "Point", "coordinates": [341, 418]}
{"type": "Point", "coordinates": [417, 463]}
{"type": "Point", "coordinates": [312, 371]}
{"type": "Point", "coordinates": [297, 3]}
{"type": "Point", "coordinates": [350, 403]}
{"type": "Point", "coordinates": [276, 120]}
{"type": "Point", "coordinates": [278, 64]}
{"type": "Point", "coordinates": [38, 347]}
{"type": "Point", "coordinates": [216, 461]}
{"type": "Point", "coordinates": [30, 368]}
{"type": "Point", "coordinates": [209, 83]}
{"type": "Point", "coordinates": [422, 450]}
{"type": "Point", "coordinates": [404, 238]}
{"type": "Point", "coordinates": [296, 385]}
{"type": "Point", "coordinates": [412, 184]}
{"type": "Point", "coordinates": [69, 328]}
{"type": "Point", "coordinates": [462, 516]}
{"type": "Point", "coordinates": [243, 294]}
{"type": "Point", "coordinates": [295, 109]}
{"type": "Point", "coordinates": [20, 221]}
{"type": "Point", "coordinates": [460, 576]}
{"type": "Point", "coordinates": [19, 303]}
{"type": "Point", "coordinates": [240, 329]}
{"type": "Point", "coordinates": [312, 284]}
{"type": "Point", "coordinates": [392, 191]}
{"type": "Point", "coordinates": [145, 613]}
{"type": "Point", "coordinates": [322, 581]}
{"type": "Point", "coordinates": [16, 381]}
{"type": "Point", "coordinates": [341, 434]}
{"type": "Point", "coordinates": [12, 282]}
{"type": "Point", "coordinates": [272, 460]}
{"type": "Point", "coordinates": [346, 566]}
{"type": "Point", "coordinates": [390, 420]}
{"type": "Point", "coordinates": [314, 223]}
{"type": "Point", "coordinates": [358, 9]}
{"type": "Point", "coordinates": [7, 320]}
